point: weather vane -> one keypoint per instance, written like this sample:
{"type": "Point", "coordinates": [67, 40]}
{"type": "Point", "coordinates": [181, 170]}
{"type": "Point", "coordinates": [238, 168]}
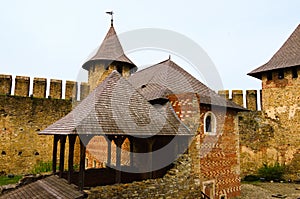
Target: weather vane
{"type": "Point", "coordinates": [112, 18]}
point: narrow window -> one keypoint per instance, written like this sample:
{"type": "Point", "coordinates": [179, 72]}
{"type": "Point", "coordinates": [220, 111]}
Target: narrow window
{"type": "Point", "coordinates": [94, 164]}
{"type": "Point", "coordinates": [269, 76]}
{"type": "Point", "coordinates": [210, 123]}
{"type": "Point", "coordinates": [280, 74]}
{"type": "Point", "coordinates": [294, 73]}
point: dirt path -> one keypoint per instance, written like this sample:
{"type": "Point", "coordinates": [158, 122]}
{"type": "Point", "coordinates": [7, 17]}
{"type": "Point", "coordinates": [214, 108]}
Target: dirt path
{"type": "Point", "coordinates": [266, 190]}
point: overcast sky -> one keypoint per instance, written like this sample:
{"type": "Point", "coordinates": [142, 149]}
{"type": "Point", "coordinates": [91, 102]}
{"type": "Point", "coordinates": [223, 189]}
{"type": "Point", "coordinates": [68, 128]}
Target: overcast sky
{"type": "Point", "coordinates": [51, 39]}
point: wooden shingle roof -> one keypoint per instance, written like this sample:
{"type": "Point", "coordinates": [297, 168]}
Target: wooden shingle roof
{"type": "Point", "coordinates": [48, 188]}
{"type": "Point", "coordinates": [167, 77]}
{"type": "Point", "coordinates": [287, 56]}
{"type": "Point", "coordinates": [116, 108]}
{"type": "Point", "coordinates": [110, 50]}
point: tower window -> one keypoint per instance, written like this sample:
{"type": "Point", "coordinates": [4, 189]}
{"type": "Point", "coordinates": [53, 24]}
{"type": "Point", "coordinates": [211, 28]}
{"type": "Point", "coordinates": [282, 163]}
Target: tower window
{"type": "Point", "coordinates": [269, 76]}
{"type": "Point", "coordinates": [280, 74]}
{"type": "Point", "coordinates": [210, 123]}
{"type": "Point", "coordinates": [119, 69]}
{"type": "Point", "coordinates": [294, 73]}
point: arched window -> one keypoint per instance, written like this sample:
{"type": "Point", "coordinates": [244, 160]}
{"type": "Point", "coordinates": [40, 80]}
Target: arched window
{"type": "Point", "coordinates": [210, 123]}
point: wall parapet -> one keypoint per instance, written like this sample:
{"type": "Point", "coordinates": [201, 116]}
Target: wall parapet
{"type": "Point", "coordinates": [245, 98]}
{"type": "Point", "coordinates": [22, 86]}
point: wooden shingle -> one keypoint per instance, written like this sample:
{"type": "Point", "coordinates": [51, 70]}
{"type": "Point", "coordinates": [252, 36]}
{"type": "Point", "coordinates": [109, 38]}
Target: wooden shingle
{"type": "Point", "coordinates": [116, 108]}
{"type": "Point", "coordinates": [48, 188]}
{"type": "Point", "coordinates": [287, 56]}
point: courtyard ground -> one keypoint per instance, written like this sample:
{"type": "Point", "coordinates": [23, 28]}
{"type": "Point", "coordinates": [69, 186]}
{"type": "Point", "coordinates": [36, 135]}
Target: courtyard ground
{"type": "Point", "coordinates": [260, 190]}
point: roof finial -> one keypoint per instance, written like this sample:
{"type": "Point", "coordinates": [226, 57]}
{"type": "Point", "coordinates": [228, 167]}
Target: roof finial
{"type": "Point", "coordinates": [112, 18]}
{"type": "Point", "coordinates": [169, 57]}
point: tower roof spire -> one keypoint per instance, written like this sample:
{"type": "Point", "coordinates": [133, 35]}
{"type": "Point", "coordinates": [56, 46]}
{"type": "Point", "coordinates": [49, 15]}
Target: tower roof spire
{"type": "Point", "coordinates": [110, 49]}
{"type": "Point", "coordinates": [111, 13]}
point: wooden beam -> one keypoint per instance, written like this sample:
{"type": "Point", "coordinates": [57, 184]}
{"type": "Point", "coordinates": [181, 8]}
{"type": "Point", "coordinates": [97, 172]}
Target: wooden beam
{"type": "Point", "coordinates": [131, 152]}
{"type": "Point", "coordinates": [108, 139]}
{"type": "Point", "coordinates": [54, 153]}
{"type": "Point", "coordinates": [72, 139]}
{"type": "Point", "coordinates": [118, 141]}
{"type": "Point", "coordinates": [62, 155]}
{"type": "Point", "coordinates": [82, 166]}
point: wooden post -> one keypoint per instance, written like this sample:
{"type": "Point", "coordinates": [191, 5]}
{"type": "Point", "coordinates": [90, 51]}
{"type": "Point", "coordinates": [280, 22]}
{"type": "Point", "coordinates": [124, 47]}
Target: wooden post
{"type": "Point", "coordinates": [62, 155]}
{"type": "Point", "coordinates": [82, 166]}
{"type": "Point", "coordinates": [150, 142]}
{"type": "Point", "coordinates": [131, 152]}
{"type": "Point", "coordinates": [72, 139]}
{"type": "Point", "coordinates": [54, 153]}
{"type": "Point", "coordinates": [118, 141]}
{"type": "Point", "coordinates": [108, 139]}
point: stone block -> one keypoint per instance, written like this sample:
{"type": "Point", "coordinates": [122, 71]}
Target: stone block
{"type": "Point", "coordinates": [5, 84]}
{"type": "Point", "coordinates": [22, 85]}
{"type": "Point", "coordinates": [251, 100]}
{"type": "Point", "coordinates": [71, 90]}
{"type": "Point", "coordinates": [39, 87]}
{"type": "Point", "coordinates": [56, 88]}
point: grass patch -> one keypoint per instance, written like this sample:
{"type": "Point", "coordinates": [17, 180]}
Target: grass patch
{"type": "Point", "coordinates": [271, 172]}
{"type": "Point", "coordinates": [42, 167]}
{"type": "Point", "coordinates": [4, 180]}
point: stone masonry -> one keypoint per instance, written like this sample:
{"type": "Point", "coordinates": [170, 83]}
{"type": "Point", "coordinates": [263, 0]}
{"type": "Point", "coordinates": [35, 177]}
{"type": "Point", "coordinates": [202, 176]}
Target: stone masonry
{"type": "Point", "coordinates": [22, 116]}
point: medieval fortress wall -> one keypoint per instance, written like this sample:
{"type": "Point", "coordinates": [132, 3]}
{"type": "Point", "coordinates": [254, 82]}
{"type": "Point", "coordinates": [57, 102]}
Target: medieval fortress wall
{"type": "Point", "coordinates": [23, 114]}
{"type": "Point", "coordinates": [272, 135]}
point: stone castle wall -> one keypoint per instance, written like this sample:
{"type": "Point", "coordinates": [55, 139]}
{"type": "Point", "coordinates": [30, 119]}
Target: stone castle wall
{"type": "Point", "coordinates": [273, 135]}
{"type": "Point", "coordinates": [22, 88]}
{"type": "Point", "coordinates": [23, 115]}
{"type": "Point", "coordinates": [248, 99]}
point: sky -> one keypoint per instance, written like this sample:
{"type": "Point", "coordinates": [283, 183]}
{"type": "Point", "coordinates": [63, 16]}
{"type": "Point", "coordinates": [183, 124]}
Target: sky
{"type": "Point", "coordinates": [52, 39]}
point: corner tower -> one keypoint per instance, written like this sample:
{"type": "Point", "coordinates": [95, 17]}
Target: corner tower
{"type": "Point", "coordinates": [280, 78]}
{"type": "Point", "coordinates": [107, 57]}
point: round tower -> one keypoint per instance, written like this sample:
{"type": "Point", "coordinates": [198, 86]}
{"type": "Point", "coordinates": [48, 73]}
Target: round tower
{"type": "Point", "coordinates": [107, 57]}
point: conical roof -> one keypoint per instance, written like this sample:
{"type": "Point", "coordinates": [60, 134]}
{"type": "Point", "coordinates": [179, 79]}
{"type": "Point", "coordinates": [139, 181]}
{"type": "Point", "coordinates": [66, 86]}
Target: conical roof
{"type": "Point", "coordinates": [110, 50]}
{"type": "Point", "coordinates": [287, 56]}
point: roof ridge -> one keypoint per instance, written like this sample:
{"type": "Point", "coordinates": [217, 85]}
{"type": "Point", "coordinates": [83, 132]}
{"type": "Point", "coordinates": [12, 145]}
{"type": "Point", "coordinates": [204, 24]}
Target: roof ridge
{"type": "Point", "coordinates": [150, 73]}
{"type": "Point", "coordinates": [151, 66]}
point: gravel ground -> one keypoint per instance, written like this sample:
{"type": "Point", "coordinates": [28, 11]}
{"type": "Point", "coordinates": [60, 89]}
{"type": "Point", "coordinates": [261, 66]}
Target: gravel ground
{"type": "Point", "coordinates": [266, 190]}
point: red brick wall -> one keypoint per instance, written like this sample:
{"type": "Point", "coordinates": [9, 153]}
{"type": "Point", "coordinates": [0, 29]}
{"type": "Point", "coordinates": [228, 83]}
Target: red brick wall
{"type": "Point", "coordinates": [97, 151]}
{"type": "Point", "coordinates": [220, 154]}
{"type": "Point", "coordinates": [215, 158]}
